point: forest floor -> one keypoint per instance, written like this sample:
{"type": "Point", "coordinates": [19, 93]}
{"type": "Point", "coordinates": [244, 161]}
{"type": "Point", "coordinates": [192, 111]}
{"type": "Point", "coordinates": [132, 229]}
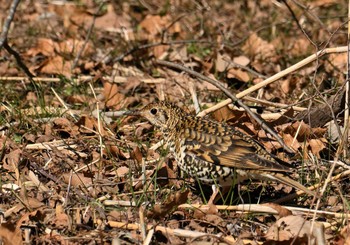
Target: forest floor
{"type": "Point", "coordinates": [76, 170]}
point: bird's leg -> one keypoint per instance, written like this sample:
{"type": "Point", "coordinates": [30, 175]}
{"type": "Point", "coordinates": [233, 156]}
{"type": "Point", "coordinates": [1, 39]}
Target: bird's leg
{"type": "Point", "coordinates": [213, 198]}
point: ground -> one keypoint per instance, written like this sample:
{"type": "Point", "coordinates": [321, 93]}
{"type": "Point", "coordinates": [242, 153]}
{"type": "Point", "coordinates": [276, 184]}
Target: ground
{"type": "Point", "coordinates": [76, 170]}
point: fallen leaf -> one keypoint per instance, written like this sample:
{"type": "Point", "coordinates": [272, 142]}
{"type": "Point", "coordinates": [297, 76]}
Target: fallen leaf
{"type": "Point", "coordinates": [256, 47]}
{"type": "Point", "coordinates": [282, 211]}
{"type": "Point", "coordinates": [43, 46]}
{"type": "Point", "coordinates": [113, 98]}
{"type": "Point", "coordinates": [56, 65]}
{"type": "Point", "coordinates": [136, 154]}
{"type": "Point", "coordinates": [160, 210]}
{"type": "Point", "coordinates": [73, 47]}
{"type": "Point", "coordinates": [111, 21]}
{"type": "Point", "coordinates": [238, 74]}
{"type": "Point", "coordinates": [287, 228]}
{"type": "Point", "coordinates": [154, 24]}
{"type": "Point", "coordinates": [222, 62]}
{"type": "Point", "coordinates": [241, 60]}
{"type": "Point", "coordinates": [122, 171]}
{"type": "Point", "coordinates": [316, 145]}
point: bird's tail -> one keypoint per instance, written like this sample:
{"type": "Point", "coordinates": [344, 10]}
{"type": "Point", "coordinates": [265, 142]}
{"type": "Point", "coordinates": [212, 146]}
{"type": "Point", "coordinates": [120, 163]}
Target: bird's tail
{"type": "Point", "coordinates": [287, 181]}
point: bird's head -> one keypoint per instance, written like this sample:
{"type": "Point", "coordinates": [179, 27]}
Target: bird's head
{"type": "Point", "coordinates": [163, 115]}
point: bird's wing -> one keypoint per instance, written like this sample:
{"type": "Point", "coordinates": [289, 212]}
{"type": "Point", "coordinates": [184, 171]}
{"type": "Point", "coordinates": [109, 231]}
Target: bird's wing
{"type": "Point", "coordinates": [236, 151]}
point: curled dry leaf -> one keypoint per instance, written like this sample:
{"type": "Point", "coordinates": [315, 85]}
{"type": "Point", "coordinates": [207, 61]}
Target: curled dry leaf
{"type": "Point", "coordinates": [165, 175]}
{"type": "Point", "coordinates": [64, 127]}
{"type": "Point", "coordinates": [238, 74]}
{"type": "Point", "coordinates": [304, 131]}
{"type": "Point", "coordinates": [12, 159]}
{"type": "Point", "coordinates": [73, 46]}
{"type": "Point", "coordinates": [282, 211]}
{"type": "Point", "coordinates": [136, 154]}
{"type": "Point", "coordinates": [317, 145]}
{"type": "Point", "coordinates": [173, 200]}
{"type": "Point", "coordinates": [116, 152]}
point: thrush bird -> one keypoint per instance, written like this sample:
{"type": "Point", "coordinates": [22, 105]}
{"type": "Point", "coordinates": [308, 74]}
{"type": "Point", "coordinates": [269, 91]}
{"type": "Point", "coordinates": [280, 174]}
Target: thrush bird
{"type": "Point", "coordinates": [215, 153]}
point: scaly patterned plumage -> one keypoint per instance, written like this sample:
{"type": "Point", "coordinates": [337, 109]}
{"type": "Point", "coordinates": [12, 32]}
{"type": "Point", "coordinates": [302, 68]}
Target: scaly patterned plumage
{"type": "Point", "coordinates": [214, 153]}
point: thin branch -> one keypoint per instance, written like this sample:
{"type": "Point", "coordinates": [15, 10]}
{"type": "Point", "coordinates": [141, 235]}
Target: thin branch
{"type": "Point", "coordinates": [75, 62]}
{"type": "Point", "coordinates": [279, 75]}
{"type": "Point", "coordinates": [18, 60]}
{"type": "Point", "coordinates": [297, 22]}
{"type": "Point", "coordinates": [7, 23]}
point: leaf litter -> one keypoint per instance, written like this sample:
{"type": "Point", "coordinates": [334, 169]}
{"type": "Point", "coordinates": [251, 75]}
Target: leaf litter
{"type": "Point", "coordinates": [78, 175]}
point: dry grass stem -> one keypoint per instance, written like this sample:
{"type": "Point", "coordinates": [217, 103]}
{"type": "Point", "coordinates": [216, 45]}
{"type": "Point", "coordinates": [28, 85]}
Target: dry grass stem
{"type": "Point", "coordinates": [275, 77]}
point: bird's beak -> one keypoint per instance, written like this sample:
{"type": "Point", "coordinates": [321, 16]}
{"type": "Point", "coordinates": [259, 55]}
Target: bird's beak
{"type": "Point", "coordinates": [132, 113]}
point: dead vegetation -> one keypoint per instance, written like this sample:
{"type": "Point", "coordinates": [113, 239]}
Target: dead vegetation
{"type": "Point", "coordinates": [75, 170]}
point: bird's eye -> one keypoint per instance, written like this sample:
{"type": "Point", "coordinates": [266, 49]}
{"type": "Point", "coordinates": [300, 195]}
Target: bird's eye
{"type": "Point", "coordinates": [153, 111]}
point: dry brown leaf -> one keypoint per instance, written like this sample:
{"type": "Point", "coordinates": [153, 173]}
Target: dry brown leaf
{"type": "Point", "coordinates": [288, 228]}
{"type": "Point", "coordinates": [160, 210]}
{"type": "Point", "coordinates": [214, 219]}
{"type": "Point", "coordinates": [116, 152]}
{"type": "Point", "coordinates": [111, 21]}
{"type": "Point", "coordinates": [136, 154]}
{"type": "Point", "coordinates": [222, 62]}
{"type": "Point", "coordinates": [258, 48]}
{"type": "Point", "coordinates": [73, 47]}
{"type": "Point", "coordinates": [77, 179]}
{"type": "Point", "coordinates": [299, 47]}
{"type": "Point", "coordinates": [164, 175]}
{"type": "Point", "coordinates": [12, 159]}
{"type": "Point", "coordinates": [62, 122]}
{"type": "Point", "coordinates": [61, 219]}
{"type": "Point", "coordinates": [113, 98]}
{"type": "Point", "coordinates": [122, 171]}
{"type": "Point", "coordinates": [56, 65]}
{"type": "Point", "coordinates": [154, 24]}
{"type": "Point", "coordinates": [291, 142]}
{"type": "Point", "coordinates": [43, 46]}
{"type": "Point", "coordinates": [282, 211]}
{"type": "Point", "coordinates": [89, 124]}
{"type": "Point", "coordinates": [285, 86]}
{"type": "Point", "coordinates": [10, 234]}
{"type": "Point", "coordinates": [225, 114]}
{"type": "Point", "coordinates": [78, 99]}
{"type": "Point", "coordinates": [241, 60]}
{"type": "Point", "coordinates": [336, 60]}
{"type": "Point", "coordinates": [238, 74]}
{"type": "Point", "coordinates": [284, 118]}
{"type": "Point", "coordinates": [33, 203]}
{"type": "Point", "coordinates": [179, 53]}
{"type": "Point", "coordinates": [322, 3]}
{"type": "Point", "coordinates": [29, 138]}
{"type": "Point", "coordinates": [159, 50]}
{"type": "Point", "coordinates": [317, 145]}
